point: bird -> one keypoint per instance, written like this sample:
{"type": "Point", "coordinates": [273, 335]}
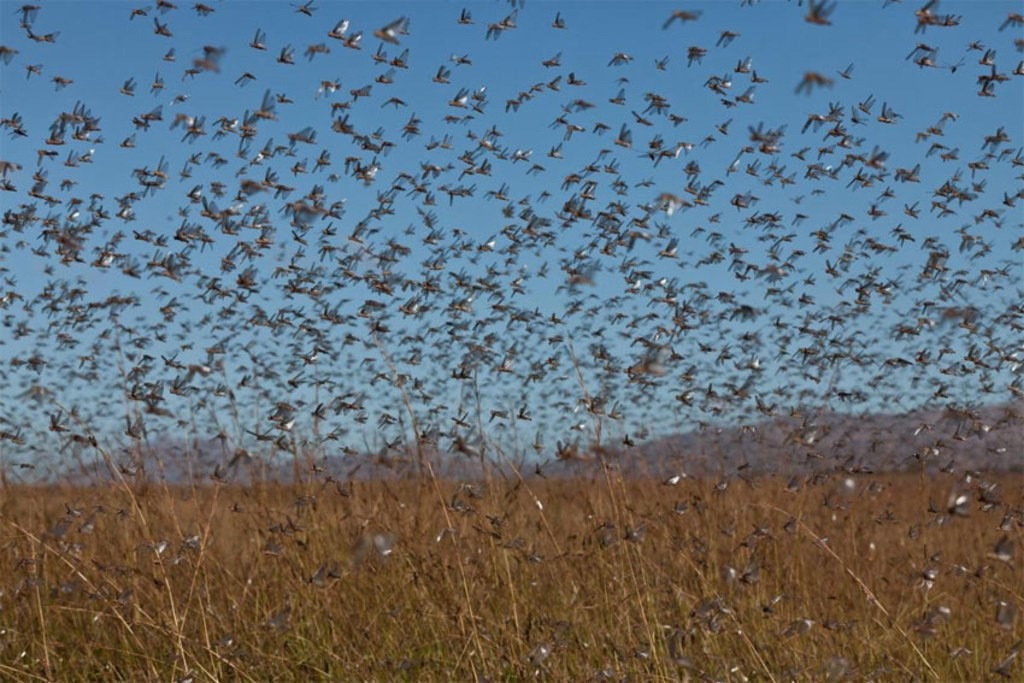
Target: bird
{"type": "Point", "coordinates": [368, 253]}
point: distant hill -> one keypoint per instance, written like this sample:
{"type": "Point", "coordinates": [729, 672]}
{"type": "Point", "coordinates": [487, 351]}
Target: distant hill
{"type": "Point", "coordinates": [988, 439]}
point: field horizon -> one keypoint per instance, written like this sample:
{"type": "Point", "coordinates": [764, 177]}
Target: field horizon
{"type": "Point", "coordinates": [988, 438]}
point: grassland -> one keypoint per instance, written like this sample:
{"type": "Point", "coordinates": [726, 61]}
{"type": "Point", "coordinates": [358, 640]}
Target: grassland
{"type": "Point", "coordinates": [880, 577]}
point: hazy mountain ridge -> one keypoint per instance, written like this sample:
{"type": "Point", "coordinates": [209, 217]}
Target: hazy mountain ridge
{"type": "Point", "coordinates": [990, 439]}
{"type": "Point", "coordinates": [987, 439]}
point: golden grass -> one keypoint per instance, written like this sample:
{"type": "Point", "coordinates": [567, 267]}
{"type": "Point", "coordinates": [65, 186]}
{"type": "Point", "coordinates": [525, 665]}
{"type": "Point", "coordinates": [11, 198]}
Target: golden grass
{"type": "Point", "coordinates": [508, 580]}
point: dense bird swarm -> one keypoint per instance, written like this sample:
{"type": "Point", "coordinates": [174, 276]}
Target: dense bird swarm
{"type": "Point", "coordinates": [566, 341]}
{"type": "Point", "coordinates": [269, 234]}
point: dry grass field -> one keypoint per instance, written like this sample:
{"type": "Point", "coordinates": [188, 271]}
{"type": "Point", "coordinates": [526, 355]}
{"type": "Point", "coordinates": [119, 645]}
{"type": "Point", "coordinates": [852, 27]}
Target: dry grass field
{"type": "Point", "coordinates": [881, 577]}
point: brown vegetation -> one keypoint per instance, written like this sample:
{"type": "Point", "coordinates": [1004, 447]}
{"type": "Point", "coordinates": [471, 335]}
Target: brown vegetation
{"type": "Point", "coordinates": [881, 577]}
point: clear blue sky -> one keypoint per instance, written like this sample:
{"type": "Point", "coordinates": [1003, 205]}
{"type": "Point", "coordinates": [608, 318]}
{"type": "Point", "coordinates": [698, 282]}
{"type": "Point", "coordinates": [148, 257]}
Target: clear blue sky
{"type": "Point", "coordinates": [740, 278]}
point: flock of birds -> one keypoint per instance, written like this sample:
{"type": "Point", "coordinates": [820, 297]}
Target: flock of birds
{"type": "Point", "coordinates": [401, 258]}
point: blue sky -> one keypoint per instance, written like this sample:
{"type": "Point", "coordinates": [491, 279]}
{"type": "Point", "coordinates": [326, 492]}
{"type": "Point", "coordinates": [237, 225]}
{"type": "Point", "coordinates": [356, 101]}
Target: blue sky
{"type": "Point", "coordinates": [642, 278]}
